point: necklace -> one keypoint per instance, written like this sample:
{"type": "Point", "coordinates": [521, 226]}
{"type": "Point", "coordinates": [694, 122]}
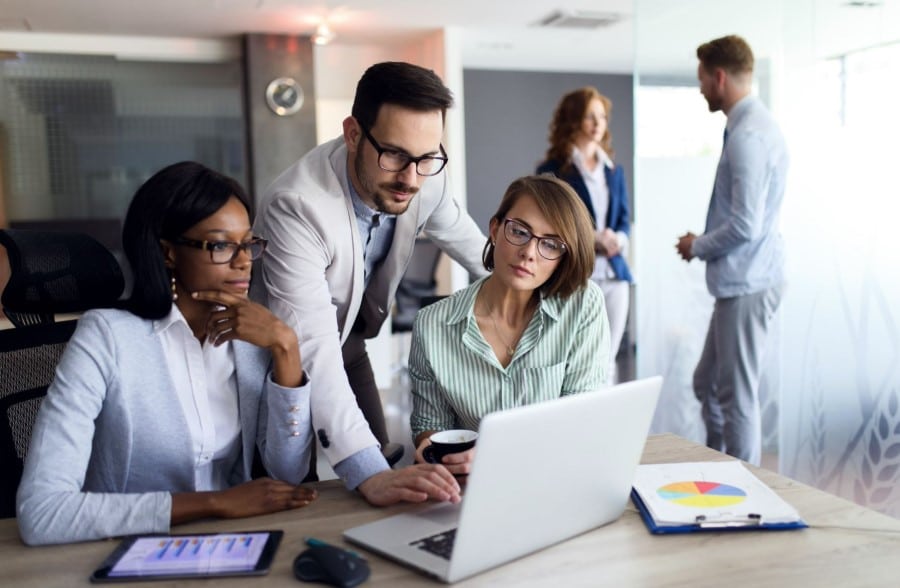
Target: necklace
{"type": "Point", "coordinates": [510, 349]}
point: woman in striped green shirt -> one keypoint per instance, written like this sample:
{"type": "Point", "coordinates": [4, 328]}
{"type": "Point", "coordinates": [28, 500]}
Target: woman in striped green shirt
{"type": "Point", "coordinates": [535, 329]}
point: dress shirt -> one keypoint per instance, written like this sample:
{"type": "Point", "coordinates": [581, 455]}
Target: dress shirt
{"type": "Point", "coordinates": [203, 378]}
{"type": "Point", "coordinates": [741, 245]}
{"type": "Point", "coordinates": [456, 377]}
{"type": "Point", "coordinates": [595, 181]}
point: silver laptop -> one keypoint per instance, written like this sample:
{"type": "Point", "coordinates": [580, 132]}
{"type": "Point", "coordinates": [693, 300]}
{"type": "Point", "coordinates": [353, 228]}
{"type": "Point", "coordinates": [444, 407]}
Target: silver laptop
{"type": "Point", "coordinates": [542, 473]}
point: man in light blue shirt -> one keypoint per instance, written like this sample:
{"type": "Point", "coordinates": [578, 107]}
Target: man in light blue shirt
{"type": "Point", "coordinates": [742, 248]}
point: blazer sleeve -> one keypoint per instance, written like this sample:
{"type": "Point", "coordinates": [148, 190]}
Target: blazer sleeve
{"type": "Point", "coordinates": [51, 506]}
{"type": "Point", "coordinates": [548, 167]}
{"type": "Point", "coordinates": [619, 193]}
{"type": "Point", "coordinates": [298, 291]}
{"type": "Point", "coordinates": [284, 434]}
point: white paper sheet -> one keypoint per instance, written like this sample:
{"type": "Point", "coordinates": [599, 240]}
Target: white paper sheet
{"type": "Point", "coordinates": [709, 493]}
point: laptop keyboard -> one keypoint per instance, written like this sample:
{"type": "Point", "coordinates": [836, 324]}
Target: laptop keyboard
{"type": "Point", "coordinates": [441, 544]}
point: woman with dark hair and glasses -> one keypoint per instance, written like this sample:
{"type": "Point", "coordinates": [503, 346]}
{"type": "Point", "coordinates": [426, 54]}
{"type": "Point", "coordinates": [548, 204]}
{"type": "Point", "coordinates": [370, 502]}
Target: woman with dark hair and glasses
{"type": "Point", "coordinates": [157, 409]}
{"type": "Point", "coordinates": [533, 330]}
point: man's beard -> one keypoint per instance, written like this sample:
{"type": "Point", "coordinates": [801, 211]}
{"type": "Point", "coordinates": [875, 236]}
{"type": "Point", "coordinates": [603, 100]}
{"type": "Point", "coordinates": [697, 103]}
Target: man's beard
{"type": "Point", "coordinates": [714, 103]}
{"type": "Point", "coordinates": [383, 203]}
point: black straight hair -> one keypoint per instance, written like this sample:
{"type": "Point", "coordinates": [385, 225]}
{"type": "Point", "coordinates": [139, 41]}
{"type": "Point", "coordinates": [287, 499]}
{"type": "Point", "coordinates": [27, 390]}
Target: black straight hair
{"type": "Point", "coordinates": [172, 201]}
{"type": "Point", "coordinates": [402, 84]}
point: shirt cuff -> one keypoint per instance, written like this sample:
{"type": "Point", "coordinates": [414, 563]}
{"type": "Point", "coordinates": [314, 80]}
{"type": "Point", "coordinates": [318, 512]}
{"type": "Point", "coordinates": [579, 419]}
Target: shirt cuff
{"type": "Point", "coordinates": [697, 247]}
{"type": "Point", "coordinates": [361, 466]}
{"type": "Point", "coordinates": [622, 241]}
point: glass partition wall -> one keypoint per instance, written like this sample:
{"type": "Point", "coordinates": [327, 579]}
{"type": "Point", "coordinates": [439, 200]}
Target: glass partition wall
{"type": "Point", "coordinates": [80, 133]}
{"type": "Point", "coordinates": [830, 73]}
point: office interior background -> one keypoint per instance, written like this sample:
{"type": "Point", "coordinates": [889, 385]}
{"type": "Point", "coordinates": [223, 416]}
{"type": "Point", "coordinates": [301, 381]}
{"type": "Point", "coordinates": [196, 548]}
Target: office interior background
{"type": "Point", "coordinates": [95, 96]}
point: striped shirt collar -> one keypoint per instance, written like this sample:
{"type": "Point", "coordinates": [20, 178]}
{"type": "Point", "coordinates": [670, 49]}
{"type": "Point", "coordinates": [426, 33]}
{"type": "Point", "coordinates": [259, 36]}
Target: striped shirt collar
{"type": "Point", "coordinates": [463, 304]}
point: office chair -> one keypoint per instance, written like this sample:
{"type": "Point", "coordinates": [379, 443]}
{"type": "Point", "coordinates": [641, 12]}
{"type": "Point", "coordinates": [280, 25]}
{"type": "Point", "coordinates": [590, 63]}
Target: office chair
{"type": "Point", "coordinates": [51, 273]}
{"type": "Point", "coordinates": [28, 358]}
{"type": "Point", "coordinates": [54, 273]}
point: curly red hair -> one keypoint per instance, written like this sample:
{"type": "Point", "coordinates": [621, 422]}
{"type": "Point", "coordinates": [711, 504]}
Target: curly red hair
{"type": "Point", "coordinates": [567, 120]}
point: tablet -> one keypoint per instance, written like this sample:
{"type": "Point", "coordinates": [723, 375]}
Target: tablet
{"type": "Point", "coordinates": [203, 555]}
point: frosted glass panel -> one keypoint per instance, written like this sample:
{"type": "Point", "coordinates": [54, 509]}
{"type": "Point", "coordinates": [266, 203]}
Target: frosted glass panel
{"type": "Point", "coordinates": [841, 417]}
{"type": "Point", "coordinates": [79, 134]}
{"type": "Point", "coordinates": [831, 399]}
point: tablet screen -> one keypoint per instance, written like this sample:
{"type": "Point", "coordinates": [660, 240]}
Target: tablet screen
{"type": "Point", "coordinates": [200, 555]}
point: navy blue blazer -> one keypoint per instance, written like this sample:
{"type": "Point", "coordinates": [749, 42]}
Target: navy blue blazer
{"type": "Point", "coordinates": [617, 216]}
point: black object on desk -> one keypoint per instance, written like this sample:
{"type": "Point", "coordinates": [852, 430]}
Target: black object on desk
{"type": "Point", "coordinates": [331, 565]}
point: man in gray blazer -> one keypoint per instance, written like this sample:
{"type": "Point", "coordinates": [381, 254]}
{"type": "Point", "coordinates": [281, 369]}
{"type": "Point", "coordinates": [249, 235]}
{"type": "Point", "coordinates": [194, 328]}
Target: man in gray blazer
{"type": "Point", "coordinates": [341, 225]}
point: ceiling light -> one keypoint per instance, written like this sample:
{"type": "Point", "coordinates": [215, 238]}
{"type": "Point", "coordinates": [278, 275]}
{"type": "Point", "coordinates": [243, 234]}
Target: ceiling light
{"type": "Point", "coordinates": [324, 35]}
{"type": "Point", "coordinates": [579, 19]}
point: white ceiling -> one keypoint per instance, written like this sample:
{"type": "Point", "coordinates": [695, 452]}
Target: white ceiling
{"type": "Point", "coordinates": [493, 33]}
{"type": "Point", "coordinates": [496, 34]}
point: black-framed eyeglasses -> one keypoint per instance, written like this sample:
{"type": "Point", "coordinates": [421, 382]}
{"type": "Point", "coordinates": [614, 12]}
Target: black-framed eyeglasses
{"type": "Point", "coordinates": [516, 233]}
{"type": "Point", "coordinates": [226, 251]}
{"type": "Point", "coordinates": [391, 160]}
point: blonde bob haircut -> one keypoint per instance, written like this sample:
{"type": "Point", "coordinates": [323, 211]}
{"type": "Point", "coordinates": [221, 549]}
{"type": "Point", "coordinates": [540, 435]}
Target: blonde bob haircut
{"type": "Point", "coordinates": [567, 214]}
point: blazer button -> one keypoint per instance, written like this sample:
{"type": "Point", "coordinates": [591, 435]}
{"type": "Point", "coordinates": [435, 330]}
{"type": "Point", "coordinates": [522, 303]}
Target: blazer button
{"type": "Point", "coordinates": [380, 310]}
{"type": "Point", "coordinates": [323, 438]}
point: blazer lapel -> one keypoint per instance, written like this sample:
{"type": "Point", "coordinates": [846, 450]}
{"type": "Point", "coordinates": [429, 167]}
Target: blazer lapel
{"type": "Point", "coordinates": [357, 282]}
{"type": "Point", "coordinates": [577, 182]}
{"type": "Point", "coordinates": [249, 372]}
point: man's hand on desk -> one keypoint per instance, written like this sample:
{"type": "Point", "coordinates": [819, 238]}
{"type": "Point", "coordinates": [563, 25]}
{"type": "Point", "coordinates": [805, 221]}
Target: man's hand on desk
{"type": "Point", "coordinates": [415, 483]}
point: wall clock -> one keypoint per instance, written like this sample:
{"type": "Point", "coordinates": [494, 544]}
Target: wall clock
{"type": "Point", "coordinates": [284, 96]}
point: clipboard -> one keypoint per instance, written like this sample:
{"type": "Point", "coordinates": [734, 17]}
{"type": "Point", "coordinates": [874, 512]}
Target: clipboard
{"type": "Point", "coordinates": [708, 496]}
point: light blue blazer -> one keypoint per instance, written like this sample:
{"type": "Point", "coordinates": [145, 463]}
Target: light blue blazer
{"type": "Point", "coordinates": [111, 444]}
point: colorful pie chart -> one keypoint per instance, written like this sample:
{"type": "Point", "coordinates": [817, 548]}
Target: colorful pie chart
{"type": "Point", "coordinates": [702, 494]}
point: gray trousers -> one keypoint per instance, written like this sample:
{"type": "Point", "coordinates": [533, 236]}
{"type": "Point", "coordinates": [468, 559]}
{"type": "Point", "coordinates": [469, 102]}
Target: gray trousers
{"type": "Point", "coordinates": [726, 380]}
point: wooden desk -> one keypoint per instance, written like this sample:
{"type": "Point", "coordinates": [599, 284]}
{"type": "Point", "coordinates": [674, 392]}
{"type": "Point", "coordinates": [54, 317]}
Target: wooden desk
{"type": "Point", "coordinates": [831, 553]}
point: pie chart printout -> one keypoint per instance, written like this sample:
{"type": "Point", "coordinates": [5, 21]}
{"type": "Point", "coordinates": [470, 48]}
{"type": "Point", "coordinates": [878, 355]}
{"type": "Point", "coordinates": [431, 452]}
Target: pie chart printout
{"type": "Point", "coordinates": [702, 494]}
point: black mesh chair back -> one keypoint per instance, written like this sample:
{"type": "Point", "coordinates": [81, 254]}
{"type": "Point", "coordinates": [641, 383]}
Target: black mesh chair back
{"type": "Point", "coordinates": [55, 272]}
{"type": "Point", "coordinates": [28, 359]}
{"type": "Point", "coordinates": [417, 286]}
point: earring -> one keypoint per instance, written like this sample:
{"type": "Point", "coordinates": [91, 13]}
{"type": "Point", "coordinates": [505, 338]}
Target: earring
{"type": "Point", "coordinates": [174, 292]}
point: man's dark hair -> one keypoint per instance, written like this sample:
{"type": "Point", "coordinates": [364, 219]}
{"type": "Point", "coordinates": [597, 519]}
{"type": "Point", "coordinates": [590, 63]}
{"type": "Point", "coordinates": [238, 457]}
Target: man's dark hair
{"type": "Point", "coordinates": [403, 84]}
{"type": "Point", "coordinates": [172, 201]}
{"type": "Point", "coordinates": [731, 53]}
